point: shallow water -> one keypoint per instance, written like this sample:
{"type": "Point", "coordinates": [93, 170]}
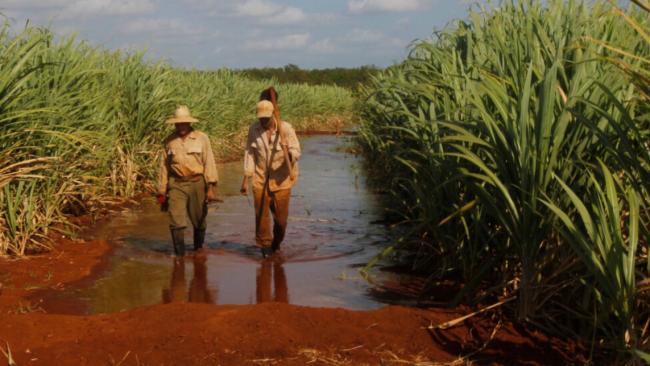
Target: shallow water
{"type": "Point", "coordinates": [329, 237]}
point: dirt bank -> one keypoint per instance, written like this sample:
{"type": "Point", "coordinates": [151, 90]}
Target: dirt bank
{"type": "Point", "coordinates": [265, 334]}
{"type": "Point", "coordinates": [68, 262]}
{"type": "Point", "coordinates": [272, 333]}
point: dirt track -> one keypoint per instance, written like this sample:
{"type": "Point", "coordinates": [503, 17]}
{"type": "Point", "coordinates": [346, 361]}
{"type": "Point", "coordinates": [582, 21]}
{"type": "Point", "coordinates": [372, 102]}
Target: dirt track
{"type": "Point", "coordinates": [272, 333]}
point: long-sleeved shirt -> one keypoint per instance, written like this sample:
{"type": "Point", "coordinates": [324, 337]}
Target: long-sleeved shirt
{"type": "Point", "coordinates": [187, 157]}
{"type": "Point", "coordinates": [258, 151]}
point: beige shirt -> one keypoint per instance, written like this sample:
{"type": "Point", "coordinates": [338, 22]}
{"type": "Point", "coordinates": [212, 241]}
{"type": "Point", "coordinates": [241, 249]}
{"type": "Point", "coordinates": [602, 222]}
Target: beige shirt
{"type": "Point", "coordinates": [187, 157]}
{"type": "Point", "coordinates": [258, 152]}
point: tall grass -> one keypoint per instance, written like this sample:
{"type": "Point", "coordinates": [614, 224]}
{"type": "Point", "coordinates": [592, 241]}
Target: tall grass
{"type": "Point", "coordinates": [81, 126]}
{"type": "Point", "coordinates": [497, 138]}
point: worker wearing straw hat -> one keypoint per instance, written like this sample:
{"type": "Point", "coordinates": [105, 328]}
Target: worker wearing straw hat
{"type": "Point", "coordinates": [187, 179]}
{"type": "Point", "coordinates": [270, 160]}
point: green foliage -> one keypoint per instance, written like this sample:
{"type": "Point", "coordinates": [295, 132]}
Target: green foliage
{"type": "Point", "coordinates": [496, 138]}
{"type": "Point", "coordinates": [350, 78]}
{"type": "Point", "coordinates": [80, 126]}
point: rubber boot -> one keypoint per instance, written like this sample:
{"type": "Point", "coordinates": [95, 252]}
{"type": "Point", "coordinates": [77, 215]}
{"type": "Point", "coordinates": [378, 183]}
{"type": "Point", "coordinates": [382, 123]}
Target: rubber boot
{"type": "Point", "coordinates": [179, 242]}
{"type": "Point", "coordinates": [199, 238]}
{"type": "Point", "coordinates": [266, 252]}
{"type": "Point", "coordinates": [275, 246]}
{"type": "Point", "coordinates": [278, 237]}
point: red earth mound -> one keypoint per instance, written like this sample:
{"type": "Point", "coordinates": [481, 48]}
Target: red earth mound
{"type": "Point", "coordinates": [264, 334]}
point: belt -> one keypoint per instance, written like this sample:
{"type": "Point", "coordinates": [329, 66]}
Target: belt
{"type": "Point", "coordinates": [191, 178]}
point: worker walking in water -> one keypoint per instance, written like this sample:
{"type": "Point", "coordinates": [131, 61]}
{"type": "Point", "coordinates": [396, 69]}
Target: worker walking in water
{"type": "Point", "coordinates": [270, 159]}
{"type": "Point", "coordinates": [187, 179]}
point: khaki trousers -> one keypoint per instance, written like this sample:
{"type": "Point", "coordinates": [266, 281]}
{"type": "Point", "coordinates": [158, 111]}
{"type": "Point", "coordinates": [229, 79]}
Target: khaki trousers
{"type": "Point", "coordinates": [278, 203]}
{"type": "Point", "coordinates": [187, 200]}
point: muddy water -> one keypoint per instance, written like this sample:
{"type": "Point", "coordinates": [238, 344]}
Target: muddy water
{"type": "Point", "coordinates": [330, 236]}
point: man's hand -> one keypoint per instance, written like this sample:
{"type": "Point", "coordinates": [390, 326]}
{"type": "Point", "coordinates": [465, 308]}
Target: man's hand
{"type": "Point", "coordinates": [283, 138]}
{"type": "Point", "coordinates": [244, 187]}
{"type": "Point", "coordinates": [211, 196]}
{"type": "Point", "coordinates": [161, 198]}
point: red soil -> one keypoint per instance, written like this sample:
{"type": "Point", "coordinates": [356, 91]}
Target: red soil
{"type": "Point", "coordinates": [265, 334]}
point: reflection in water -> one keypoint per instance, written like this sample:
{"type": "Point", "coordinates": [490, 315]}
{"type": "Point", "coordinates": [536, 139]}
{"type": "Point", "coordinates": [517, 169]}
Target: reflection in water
{"type": "Point", "coordinates": [330, 235]}
{"type": "Point", "coordinates": [271, 271]}
{"type": "Point", "coordinates": [198, 292]}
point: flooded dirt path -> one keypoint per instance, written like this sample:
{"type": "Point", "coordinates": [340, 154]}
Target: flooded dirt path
{"type": "Point", "coordinates": [117, 297]}
{"type": "Point", "coordinates": [330, 236]}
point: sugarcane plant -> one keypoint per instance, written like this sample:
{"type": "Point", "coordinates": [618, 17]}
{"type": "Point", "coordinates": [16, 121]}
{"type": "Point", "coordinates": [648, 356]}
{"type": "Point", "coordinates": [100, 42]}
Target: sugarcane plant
{"type": "Point", "coordinates": [497, 133]}
{"type": "Point", "coordinates": [81, 127]}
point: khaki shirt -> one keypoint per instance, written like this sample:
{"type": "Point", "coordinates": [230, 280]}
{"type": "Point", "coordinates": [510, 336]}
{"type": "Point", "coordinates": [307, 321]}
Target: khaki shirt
{"type": "Point", "coordinates": [258, 152]}
{"type": "Point", "coordinates": [186, 158]}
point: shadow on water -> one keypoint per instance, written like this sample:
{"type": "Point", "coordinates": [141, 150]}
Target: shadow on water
{"type": "Point", "coordinates": [332, 231]}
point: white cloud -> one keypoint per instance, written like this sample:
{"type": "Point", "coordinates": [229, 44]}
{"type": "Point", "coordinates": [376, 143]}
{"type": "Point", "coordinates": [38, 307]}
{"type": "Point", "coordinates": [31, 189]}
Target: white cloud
{"type": "Point", "coordinates": [403, 22]}
{"type": "Point", "coordinates": [324, 46]}
{"type": "Point", "coordinates": [367, 6]}
{"type": "Point", "coordinates": [32, 4]}
{"type": "Point", "coordinates": [288, 42]}
{"type": "Point", "coordinates": [364, 36]}
{"type": "Point", "coordinates": [289, 15]}
{"type": "Point", "coordinates": [357, 38]}
{"type": "Point", "coordinates": [269, 12]}
{"type": "Point", "coordinates": [110, 7]}
{"type": "Point", "coordinates": [204, 4]}
{"type": "Point", "coordinates": [169, 31]}
{"type": "Point", "coordinates": [77, 8]}
{"type": "Point", "coordinates": [261, 11]}
{"type": "Point", "coordinates": [156, 26]}
{"type": "Point", "coordinates": [256, 8]}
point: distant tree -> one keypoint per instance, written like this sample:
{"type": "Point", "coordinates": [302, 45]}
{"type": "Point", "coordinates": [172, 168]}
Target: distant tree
{"type": "Point", "coordinates": [345, 77]}
{"type": "Point", "coordinates": [291, 68]}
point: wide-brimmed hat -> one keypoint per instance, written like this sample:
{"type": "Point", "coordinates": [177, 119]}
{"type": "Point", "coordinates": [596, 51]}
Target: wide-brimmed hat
{"type": "Point", "coordinates": [182, 115]}
{"type": "Point", "coordinates": [264, 109]}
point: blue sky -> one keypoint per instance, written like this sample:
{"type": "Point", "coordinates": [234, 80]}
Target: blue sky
{"type": "Point", "coordinates": [246, 33]}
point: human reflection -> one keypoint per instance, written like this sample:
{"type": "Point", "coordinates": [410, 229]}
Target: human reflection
{"type": "Point", "coordinates": [198, 291]}
{"type": "Point", "coordinates": [271, 271]}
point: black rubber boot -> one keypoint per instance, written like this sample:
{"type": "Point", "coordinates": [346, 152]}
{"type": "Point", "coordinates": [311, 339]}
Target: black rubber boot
{"type": "Point", "coordinates": [266, 252]}
{"type": "Point", "coordinates": [278, 237]}
{"type": "Point", "coordinates": [199, 238]}
{"type": "Point", "coordinates": [275, 246]}
{"type": "Point", "coordinates": [178, 239]}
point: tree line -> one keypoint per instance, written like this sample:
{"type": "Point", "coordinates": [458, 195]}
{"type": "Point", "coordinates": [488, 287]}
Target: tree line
{"type": "Point", "coordinates": [349, 78]}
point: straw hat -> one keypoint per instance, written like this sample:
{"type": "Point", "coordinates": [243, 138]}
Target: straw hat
{"type": "Point", "coordinates": [182, 115]}
{"type": "Point", "coordinates": [264, 109]}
